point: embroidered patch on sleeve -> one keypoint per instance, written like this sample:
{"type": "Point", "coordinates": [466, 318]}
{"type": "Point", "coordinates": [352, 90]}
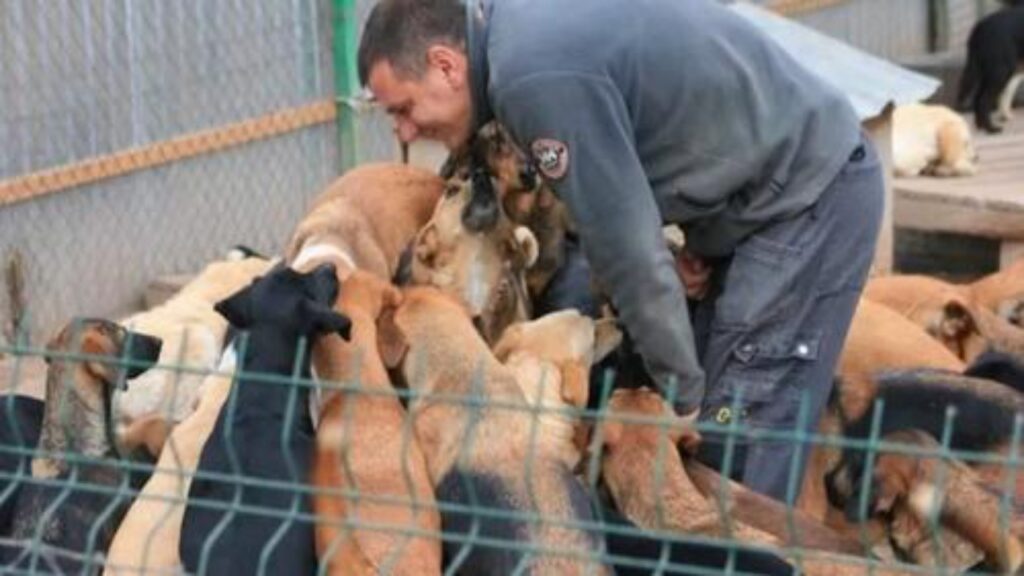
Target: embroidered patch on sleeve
{"type": "Point", "coordinates": [551, 157]}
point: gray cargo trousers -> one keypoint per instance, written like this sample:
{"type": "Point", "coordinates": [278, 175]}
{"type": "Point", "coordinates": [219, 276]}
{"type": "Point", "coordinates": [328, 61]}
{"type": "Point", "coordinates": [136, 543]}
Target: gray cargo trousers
{"type": "Point", "coordinates": [770, 331]}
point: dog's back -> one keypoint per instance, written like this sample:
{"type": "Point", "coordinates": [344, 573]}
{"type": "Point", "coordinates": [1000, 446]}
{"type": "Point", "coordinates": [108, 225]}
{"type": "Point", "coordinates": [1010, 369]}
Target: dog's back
{"type": "Point", "coordinates": [371, 214]}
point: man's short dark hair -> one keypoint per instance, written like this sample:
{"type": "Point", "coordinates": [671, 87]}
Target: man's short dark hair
{"type": "Point", "coordinates": [400, 31]}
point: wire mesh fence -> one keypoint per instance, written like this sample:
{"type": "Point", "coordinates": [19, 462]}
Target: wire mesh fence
{"type": "Point", "coordinates": [141, 138]}
{"type": "Point", "coordinates": [499, 501]}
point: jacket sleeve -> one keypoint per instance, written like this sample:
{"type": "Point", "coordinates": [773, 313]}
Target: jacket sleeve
{"type": "Point", "coordinates": [604, 186]}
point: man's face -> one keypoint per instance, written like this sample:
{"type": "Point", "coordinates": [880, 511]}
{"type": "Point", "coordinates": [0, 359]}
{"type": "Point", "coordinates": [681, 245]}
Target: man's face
{"type": "Point", "coordinates": [434, 106]}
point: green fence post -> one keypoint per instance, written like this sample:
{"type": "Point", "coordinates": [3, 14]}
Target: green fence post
{"type": "Point", "coordinates": [346, 79]}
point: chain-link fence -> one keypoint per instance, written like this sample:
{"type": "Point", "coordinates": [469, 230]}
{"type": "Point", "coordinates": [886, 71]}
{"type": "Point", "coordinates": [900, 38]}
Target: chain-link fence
{"type": "Point", "coordinates": [141, 138]}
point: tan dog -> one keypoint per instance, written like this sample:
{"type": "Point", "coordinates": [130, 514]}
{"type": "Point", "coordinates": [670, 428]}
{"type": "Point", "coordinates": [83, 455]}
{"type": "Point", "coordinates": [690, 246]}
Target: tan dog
{"type": "Point", "coordinates": [365, 444]}
{"type": "Point", "coordinates": [484, 269]}
{"type": "Point", "coordinates": [193, 334]}
{"type": "Point", "coordinates": [931, 140]}
{"type": "Point", "coordinates": [926, 487]}
{"type": "Point", "coordinates": [149, 535]}
{"type": "Point", "coordinates": [365, 219]}
{"type": "Point", "coordinates": [879, 339]}
{"type": "Point", "coordinates": [551, 358]}
{"type": "Point", "coordinates": [526, 198]}
{"type": "Point", "coordinates": [949, 313]}
{"type": "Point", "coordinates": [486, 454]}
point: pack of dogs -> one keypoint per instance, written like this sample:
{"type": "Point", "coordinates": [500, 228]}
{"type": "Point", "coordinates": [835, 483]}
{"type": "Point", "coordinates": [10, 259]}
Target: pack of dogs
{"type": "Point", "coordinates": [382, 399]}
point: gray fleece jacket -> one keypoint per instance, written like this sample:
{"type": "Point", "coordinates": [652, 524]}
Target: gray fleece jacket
{"type": "Point", "coordinates": [646, 112]}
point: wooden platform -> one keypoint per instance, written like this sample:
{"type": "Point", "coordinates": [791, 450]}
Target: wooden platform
{"type": "Point", "coordinates": [989, 204]}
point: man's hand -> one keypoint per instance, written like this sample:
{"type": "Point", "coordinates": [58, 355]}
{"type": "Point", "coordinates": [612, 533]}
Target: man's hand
{"type": "Point", "coordinates": [694, 273]}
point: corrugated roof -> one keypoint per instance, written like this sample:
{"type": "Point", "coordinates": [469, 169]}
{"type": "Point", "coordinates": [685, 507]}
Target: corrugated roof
{"type": "Point", "coordinates": [870, 82]}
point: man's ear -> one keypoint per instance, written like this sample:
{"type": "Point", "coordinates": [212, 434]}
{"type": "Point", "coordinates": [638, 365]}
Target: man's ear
{"type": "Point", "coordinates": [451, 63]}
{"type": "Point", "coordinates": [391, 341]}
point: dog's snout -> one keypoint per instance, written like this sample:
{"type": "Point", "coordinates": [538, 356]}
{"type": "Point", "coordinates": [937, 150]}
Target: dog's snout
{"type": "Point", "coordinates": [481, 213]}
{"type": "Point", "coordinates": [528, 176]}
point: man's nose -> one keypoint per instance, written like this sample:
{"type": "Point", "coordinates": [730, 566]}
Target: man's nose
{"type": "Point", "coordinates": [406, 131]}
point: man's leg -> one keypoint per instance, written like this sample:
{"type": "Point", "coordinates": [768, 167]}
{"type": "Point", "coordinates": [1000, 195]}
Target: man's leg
{"type": "Point", "coordinates": [779, 323]}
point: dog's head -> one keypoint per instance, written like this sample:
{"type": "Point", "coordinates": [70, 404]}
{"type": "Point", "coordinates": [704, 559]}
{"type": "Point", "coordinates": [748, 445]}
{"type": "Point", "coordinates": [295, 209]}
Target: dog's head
{"type": "Point", "coordinates": [484, 268]}
{"type": "Point", "coordinates": [523, 195]}
{"type": "Point", "coordinates": [93, 356]}
{"type": "Point", "coordinates": [896, 477]}
{"type": "Point", "coordinates": [567, 339]}
{"type": "Point", "coordinates": [289, 302]}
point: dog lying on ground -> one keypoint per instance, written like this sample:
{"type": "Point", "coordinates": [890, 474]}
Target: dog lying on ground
{"type": "Point", "coordinates": [879, 340]}
{"type": "Point", "coordinates": [949, 313]}
{"type": "Point", "coordinates": [482, 448]}
{"type": "Point", "coordinates": [365, 443]}
{"type": "Point", "coordinates": [365, 219]}
{"type": "Point", "coordinates": [265, 432]}
{"type": "Point", "coordinates": [65, 525]}
{"type": "Point", "coordinates": [552, 357]}
{"type": "Point", "coordinates": [995, 55]}
{"type": "Point", "coordinates": [484, 268]}
{"type": "Point", "coordinates": [931, 140]}
{"type": "Point", "coordinates": [925, 487]}
{"type": "Point", "coordinates": [193, 335]}
{"type": "Point", "coordinates": [524, 196]}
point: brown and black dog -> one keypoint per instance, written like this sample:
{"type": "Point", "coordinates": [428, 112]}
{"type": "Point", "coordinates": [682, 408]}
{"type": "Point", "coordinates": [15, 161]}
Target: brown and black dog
{"type": "Point", "coordinates": [87, 359]}
{"type": "Point", "coordinates": [365, 444]}
{"type": "Point", "coordinates": [525, 197]}
{"type": "Point", "coordinates": [658, 490]}
{"type": "Point", "coordinates": [482, 448]}
{"type": "Point", "coordinates": [484, 268]}
{"type": "Point", "coordinates": [879, 340]}
{"type": "Point", "coordinates": [910, 489]}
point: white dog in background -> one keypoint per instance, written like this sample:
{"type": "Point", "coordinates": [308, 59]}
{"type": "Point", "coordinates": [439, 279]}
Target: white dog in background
{"type": "Point", "coordinates": [193, 335]}
{"type": "Point", "coordinates": [931, 140]}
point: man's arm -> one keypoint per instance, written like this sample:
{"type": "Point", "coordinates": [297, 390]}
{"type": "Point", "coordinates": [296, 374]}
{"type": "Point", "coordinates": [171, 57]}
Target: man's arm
{"type": "Point", "coordinates": [577, 128]}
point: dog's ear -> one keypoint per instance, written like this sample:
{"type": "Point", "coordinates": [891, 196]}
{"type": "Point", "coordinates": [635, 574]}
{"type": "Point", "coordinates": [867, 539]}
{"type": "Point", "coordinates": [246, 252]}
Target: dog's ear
{"type": "Point", "coordinates": [390, 340]}
{"type": "Point", "coordinates": [526, 244]}
{"type": "Point", "coordinates": [607, 337]}
{"type": "Point", "coordinates": [427, 245]}
{"type": "Point", "coordinates": [326, 320]}
{"type": "Point", "coordinates": [95, 343]}
{"type": "Point", "coordinates": [575, 383]}
{"type": "Point", "coordinates": [237, 308]}
{"type": "Point", "coordinates": [957, 327]}
{"type": "Point", "coordinates": [510, 340]}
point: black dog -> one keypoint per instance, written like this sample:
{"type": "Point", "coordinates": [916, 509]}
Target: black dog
{"type": "Point", "coordinates": [264, 432]}
{"type": "Point", "coordinates": [995, 51]}
{"type": "Point", "coordinates": [917, 400]}
{"type": "Point", "coordinates": [68, 511]}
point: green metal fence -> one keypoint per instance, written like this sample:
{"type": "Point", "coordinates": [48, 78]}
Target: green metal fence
{"type": "Point", "coordinates": [18, 476]}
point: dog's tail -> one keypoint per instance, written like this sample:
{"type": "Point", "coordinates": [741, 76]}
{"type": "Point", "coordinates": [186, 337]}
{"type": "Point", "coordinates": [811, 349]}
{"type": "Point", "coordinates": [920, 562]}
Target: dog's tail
{"type": "Point", "coordinates": [968, 83]}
